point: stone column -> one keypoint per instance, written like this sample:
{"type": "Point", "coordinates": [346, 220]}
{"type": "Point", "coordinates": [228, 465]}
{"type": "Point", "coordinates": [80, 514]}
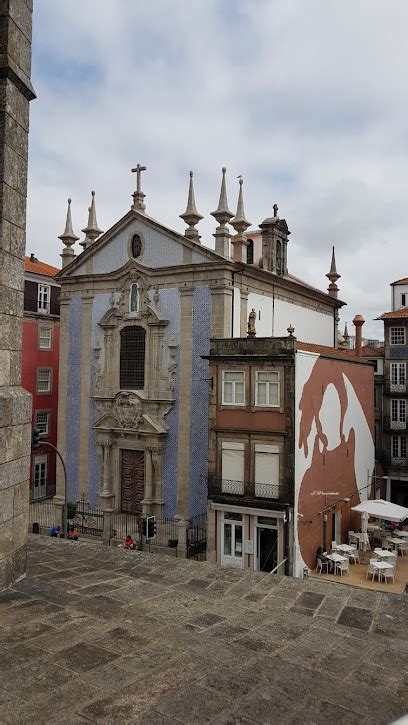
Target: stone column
{"type": "Point", "coordinates": [243, 326]}
{"type": "Point", "coordinates": [211, 536]}
{"type": "Point", "coordinates": [221, 304]}
{"type": "Point", "coordinates": [148, 494]}
{"type": "Point", "coordinates": [183, 462]}
{"type": "Point", "coordinates": [157, 460]}
{"type": "Point", "coordinates": [86, 362]}
{"type": "Point", "coordinates": [15, 403]}
{"type": "Point", "coordinates": [62, 395]}
{"type": "Point", "coordinates": [106, 495]}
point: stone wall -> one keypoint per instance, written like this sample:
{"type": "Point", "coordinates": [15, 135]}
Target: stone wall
{"type": "Point", "coordinates": [15, 403]}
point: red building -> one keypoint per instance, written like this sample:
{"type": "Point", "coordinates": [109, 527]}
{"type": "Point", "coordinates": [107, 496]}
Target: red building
{"type": "Point", "coordinates": [40, 353]}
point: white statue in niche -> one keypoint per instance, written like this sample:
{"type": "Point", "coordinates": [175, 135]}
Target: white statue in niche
{"type": "Point", "coordinates": [134, 298]}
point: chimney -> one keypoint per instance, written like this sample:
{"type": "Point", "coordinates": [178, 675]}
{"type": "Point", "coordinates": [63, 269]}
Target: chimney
{"type": "Point", "coordinates": [33, 258]}
{"type": "Point", "coordinates": [358, 323]}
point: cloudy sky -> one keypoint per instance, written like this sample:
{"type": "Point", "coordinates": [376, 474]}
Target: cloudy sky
{"type": "Point", "coordinates": [307, 99]}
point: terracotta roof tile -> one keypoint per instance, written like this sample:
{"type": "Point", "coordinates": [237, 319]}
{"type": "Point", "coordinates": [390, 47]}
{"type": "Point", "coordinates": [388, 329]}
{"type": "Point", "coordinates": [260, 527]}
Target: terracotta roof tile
{"type": "Point", "coordinates": [326, 350]}
{"type": "Point", "coordinates": [39, 268]}
{"type": "Point", "coordinates": [404, 280]}
{"type": "Point", "coordinates": [394, 315]}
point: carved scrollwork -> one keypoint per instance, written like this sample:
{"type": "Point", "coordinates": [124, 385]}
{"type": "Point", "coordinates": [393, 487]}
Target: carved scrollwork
{"type": "Point", "coordinates": [127, 410]}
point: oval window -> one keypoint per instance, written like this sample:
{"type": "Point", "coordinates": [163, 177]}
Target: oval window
{"type": "Point", "coordinates": [136, 245]}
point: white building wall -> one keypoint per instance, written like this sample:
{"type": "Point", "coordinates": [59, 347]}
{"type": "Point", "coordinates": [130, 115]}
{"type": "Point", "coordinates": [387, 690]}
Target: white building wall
{"type": "Point", "coordinates": [396, 291]}
{"type": "Point", "coordinates": [237, 312]}
{"type": "Point", "coordinates": [274, 317]}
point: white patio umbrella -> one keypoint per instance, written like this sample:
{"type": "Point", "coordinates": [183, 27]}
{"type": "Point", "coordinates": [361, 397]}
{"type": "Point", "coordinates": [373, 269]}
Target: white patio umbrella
{"type": "Point", "coordinates": [382, 510]}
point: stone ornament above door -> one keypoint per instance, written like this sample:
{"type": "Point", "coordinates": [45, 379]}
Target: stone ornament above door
{"type": "Point", "coordinates": [127, 410]}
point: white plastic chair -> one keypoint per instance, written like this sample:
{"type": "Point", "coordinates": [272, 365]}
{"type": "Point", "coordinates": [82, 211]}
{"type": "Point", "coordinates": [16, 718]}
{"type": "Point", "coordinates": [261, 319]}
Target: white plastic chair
{"type": "Point", "coordinates": [354, 555]}
{"type": "Point", "coordinates": [388, 573]}
{"type": "Point", "coordinates": [334, 546]}
{"type": "Point", "coordinates": [371, 569]}
{"type": "Point", "coordinates": [321, 565]}
{"type": "Point", "coordinates": [351, 537]}
{"type": "Point", "coordinates": [343, 566]}
{"type": "Point", "coordinates": [403, 547]}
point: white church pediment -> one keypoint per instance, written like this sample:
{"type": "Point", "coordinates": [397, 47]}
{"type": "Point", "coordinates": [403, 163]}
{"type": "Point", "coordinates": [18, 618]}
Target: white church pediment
{"type": "Point", "coordinates": [130, 411]}
{"type": "Point", "coordinates": [161, 247]}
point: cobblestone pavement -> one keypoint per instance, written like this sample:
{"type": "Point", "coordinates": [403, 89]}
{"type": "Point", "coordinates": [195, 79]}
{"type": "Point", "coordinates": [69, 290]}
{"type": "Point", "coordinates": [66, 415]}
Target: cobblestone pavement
{"type": "Point", "coordinates": [108, 636]}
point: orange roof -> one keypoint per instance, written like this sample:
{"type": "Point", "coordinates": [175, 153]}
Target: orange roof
{"type": "Point", "coordinates": [39, 268]}
{"type": "Point", "coordinates": [373, 351]}
{"type": "Point", "coordinates": [325, 350]}
{"type": "Point", "coordinates": [395, 315]}
{"type": "Point", "coordinates": [404, 280]}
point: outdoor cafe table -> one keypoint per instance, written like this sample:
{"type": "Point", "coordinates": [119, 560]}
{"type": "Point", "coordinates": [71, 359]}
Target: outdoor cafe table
{"type": "Point", "coordinates": [335, 558]}
{"type": "Point", "coordinates": [383, 554]}
{"type": "Point", "coordinates": [401, 534]}
{"type": "Point", "coordinates": [379, 565]}
{"type": "Point", "coordinates": [346, 548]}
{"type": "Point", "coordinates": [373, 527]}
{"type": "Point", "coordinates": [393, 540]}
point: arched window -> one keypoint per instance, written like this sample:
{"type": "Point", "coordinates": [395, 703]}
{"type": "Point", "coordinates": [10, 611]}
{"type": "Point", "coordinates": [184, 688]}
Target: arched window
{"type": "Point", "coordinates": [250, 251]}
{"type": "Point", "coordinates": [136, 245]}
{"type": "Point", "coordinates": [134, 297]}
{"type": "Point", "coordinates": [132, 358]}
{"type": "Point", "coordinates": [278, 257]}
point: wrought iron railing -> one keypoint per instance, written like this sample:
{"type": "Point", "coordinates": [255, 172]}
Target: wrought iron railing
{"type": "Point", "coordinates": [391, 424]}
{"type": "Point", "coordinates": [394, 462]}
{"type": "Point", "coordinates": [395, 388]}
{"type": "Point", "coordinates": [42, 513]}
{"type": "Point", "coordinates": [244, 489]}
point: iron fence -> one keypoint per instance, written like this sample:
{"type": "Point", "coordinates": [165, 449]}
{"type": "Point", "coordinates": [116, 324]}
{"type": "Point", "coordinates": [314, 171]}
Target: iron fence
{"type": "Point", "coordinates": [124, 524]}
{"type": "Point", "coordinates": [88, 519]}
{"type": "Point", "coordinates": [42, 513]}
{"type": "Point", "coordinates": [197, 538]}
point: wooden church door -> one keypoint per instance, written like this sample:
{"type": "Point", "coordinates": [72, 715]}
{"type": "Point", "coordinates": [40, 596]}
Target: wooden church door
{"type": "Point", "coordinates": [132, 481]}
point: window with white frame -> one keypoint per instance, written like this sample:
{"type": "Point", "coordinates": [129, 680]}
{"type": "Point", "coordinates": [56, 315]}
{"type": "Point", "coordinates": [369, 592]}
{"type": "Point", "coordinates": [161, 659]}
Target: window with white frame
{"type": "Point", "coordinates": [43, 380]}
{"type": "Point", "coordinates": [42, 421]}
{"type": "Point", "coordinates": [397, 336]}
{"type": "Point", "coordinates": [40, 476]}
{"type": "Point", "coordinates": [267, 388]}
{"type": "Point", "coordinates": [398, 410]}
{"type": "Point", "coordinates": [233, 387]}
{"type": "Point", "coordinates": [134, 297]}
{"type": "Point", "coordinates": [232, 467]}
{"type": "Point", "coordinates": [398, 447]}
{"type": "Point", "coordinates": [266, 470]}
{"type": "Point", "coordinates": [398, 373]}
{"type": "Point", "coordinates": [44, 295]}
{"type": "Point", "coordinates": [44, 337]}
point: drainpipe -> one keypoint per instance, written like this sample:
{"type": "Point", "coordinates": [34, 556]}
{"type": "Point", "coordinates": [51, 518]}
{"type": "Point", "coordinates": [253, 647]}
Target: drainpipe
{"type": "Point", "coordinates": [287, 548]}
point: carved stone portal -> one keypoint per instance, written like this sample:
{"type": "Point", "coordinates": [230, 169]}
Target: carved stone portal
{"type": "Point", "coordinates": [127, 410]}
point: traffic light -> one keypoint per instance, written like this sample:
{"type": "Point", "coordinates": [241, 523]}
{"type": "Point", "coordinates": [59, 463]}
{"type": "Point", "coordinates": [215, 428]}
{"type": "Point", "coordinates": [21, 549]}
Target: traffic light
{"type": "Point", "coordinates": [149, 527]}
{"type": "Point", "coordinates": [35, 439]}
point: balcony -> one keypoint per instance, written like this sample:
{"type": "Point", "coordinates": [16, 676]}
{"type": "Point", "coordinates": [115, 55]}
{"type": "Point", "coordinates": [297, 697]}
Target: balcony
{"type": "Point", "coordinates": [245, 491]}
{"type": "Point", "coordinates": [395, 388]}
{"type": "Point", "coordinates": [393, 462]}
{"type": "Point", "coordinates": [390, 424]}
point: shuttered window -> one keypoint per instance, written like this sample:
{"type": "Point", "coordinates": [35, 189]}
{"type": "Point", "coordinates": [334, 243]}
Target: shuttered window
{"type": "Point", "coordinates": [132, 358]}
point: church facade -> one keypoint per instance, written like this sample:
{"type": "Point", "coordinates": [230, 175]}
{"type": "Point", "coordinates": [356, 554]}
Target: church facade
{"type": "Point", "coordinates": [139, 306]}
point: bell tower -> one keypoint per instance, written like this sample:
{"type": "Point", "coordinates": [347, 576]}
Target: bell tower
{"type": "Point", "coordinates": [275, 235]}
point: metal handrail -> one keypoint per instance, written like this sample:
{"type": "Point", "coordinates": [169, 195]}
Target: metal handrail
{"type": "Point", "coordinates": [277, 566]}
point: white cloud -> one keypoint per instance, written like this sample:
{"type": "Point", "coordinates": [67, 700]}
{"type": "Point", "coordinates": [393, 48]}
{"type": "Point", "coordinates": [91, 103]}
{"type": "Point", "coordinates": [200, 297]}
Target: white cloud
{"type": "Point", "coordinates": [307, 100]}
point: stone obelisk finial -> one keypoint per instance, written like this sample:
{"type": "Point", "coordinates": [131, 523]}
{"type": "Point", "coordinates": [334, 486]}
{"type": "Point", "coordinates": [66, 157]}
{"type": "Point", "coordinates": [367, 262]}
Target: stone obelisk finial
{"type": "Point", "coordinates": [138, 195]}
{"type": "Point", "coordinates": [333, 276]}
{"type": "Point", "coordinates": [222, 214]}
{"type": "Point", "coordinates": [68, 238]}
{"type": "Point", "coordinates": [240, 224]}
{"type": "Point", "coordinates": [92, 230]}
{"type": "Point", "coordinates": [191, 215]}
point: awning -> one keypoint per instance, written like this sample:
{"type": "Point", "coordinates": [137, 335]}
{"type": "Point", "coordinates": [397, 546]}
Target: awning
{"type": "Point", "coordinates": [382, 510]}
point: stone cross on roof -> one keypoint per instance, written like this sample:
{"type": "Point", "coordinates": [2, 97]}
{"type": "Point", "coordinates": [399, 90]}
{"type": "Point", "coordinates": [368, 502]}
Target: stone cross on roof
{"type": "Point", "coordinates": [138, 195]}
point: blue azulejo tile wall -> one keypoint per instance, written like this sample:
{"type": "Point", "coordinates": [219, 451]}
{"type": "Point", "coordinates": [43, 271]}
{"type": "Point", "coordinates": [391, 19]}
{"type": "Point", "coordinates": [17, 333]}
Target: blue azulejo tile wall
{"type": "Point", "coordinates": [199, 401]}
{"type": "Point", "coordinates": [73, 397]}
